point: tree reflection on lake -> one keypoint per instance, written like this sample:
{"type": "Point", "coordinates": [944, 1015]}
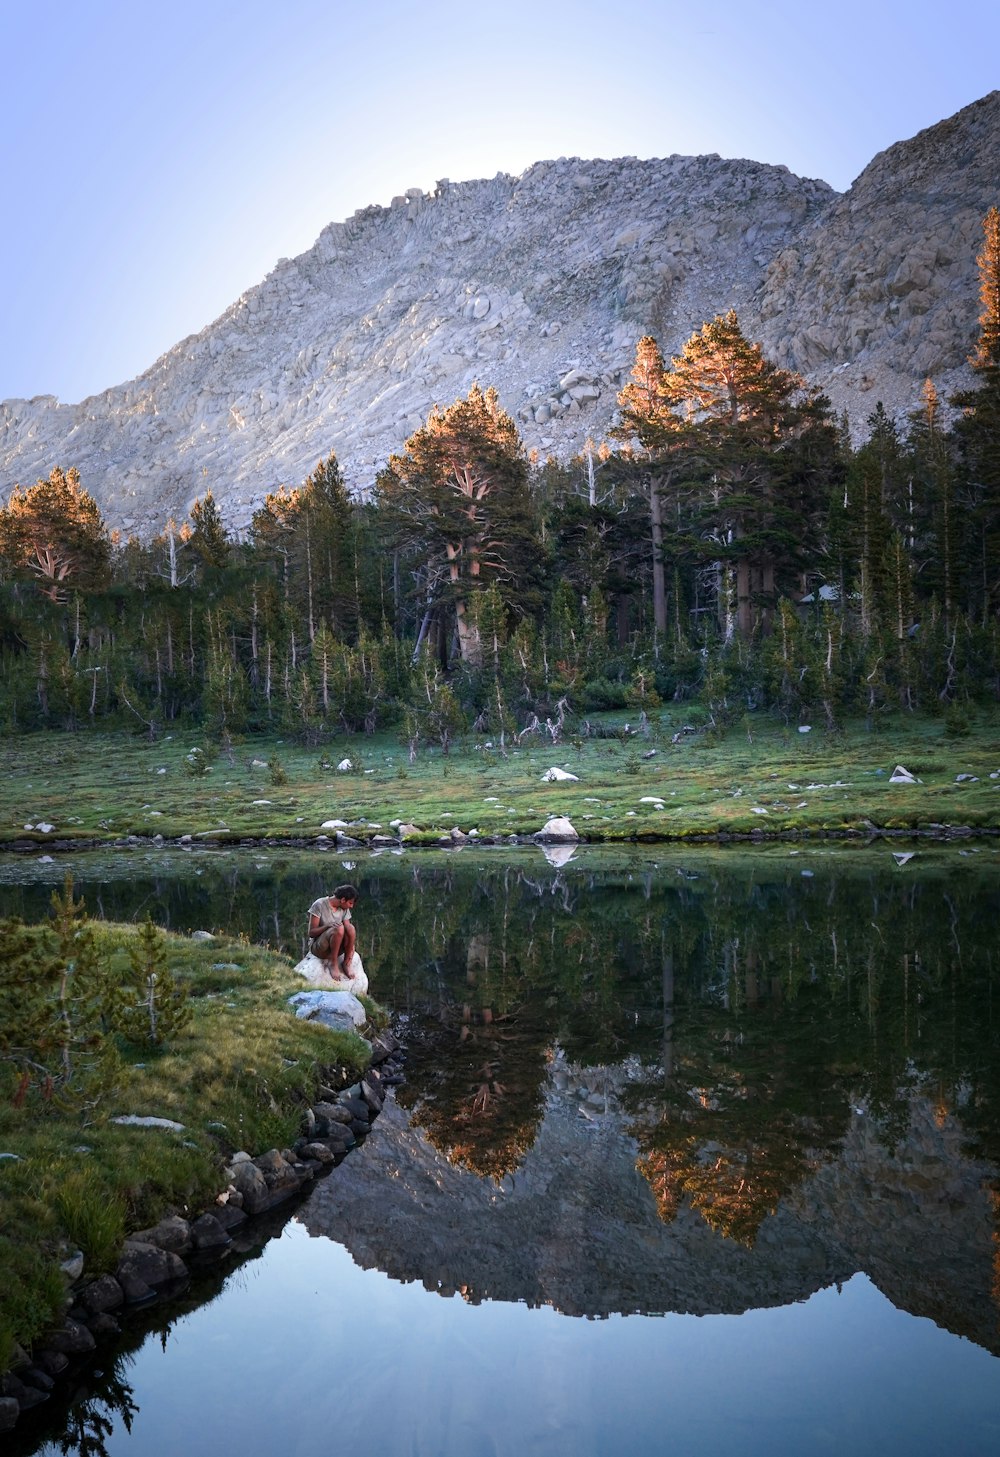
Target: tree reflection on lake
{"type": "Point", "coordinates": [649, 1081]}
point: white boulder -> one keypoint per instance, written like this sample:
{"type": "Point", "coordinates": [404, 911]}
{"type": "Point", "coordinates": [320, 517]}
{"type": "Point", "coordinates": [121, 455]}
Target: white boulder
{"type": "Point", "coordinates": [317, 974]}
{"type": "Point", "coordinates": [900, 775]}
{"type": "Point", "coordinates": [137, 1120]}
{"type": "Point", "coordinates": [557, 829]}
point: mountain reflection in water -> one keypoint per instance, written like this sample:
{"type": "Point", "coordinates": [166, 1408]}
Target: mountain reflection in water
{"type": "Point", "coordinates": [577, 1225]}
{"type": "Point", "coordinates": [686, 1082]}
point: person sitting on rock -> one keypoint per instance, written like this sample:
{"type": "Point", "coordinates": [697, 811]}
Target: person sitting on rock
{"type": "Point", "coordinates": [331, 931]}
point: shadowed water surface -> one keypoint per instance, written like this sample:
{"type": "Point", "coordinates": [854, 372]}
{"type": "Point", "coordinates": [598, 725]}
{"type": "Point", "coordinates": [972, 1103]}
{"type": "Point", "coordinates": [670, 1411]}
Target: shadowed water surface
{"type": "Point", "coordinates": [754, 1096]}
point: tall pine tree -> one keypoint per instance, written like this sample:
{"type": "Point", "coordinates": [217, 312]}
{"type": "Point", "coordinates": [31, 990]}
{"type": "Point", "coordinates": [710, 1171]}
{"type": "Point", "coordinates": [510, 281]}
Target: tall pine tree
{"type": "Point", "coordinates": [978, 428]}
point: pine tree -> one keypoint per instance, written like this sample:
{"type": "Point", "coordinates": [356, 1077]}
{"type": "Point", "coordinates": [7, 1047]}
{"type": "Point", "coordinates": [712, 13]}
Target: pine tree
{"type": "Point", "coordinates": [978, 429]}
{"type": "Point", "coordinates": [457, 499]}
{"type": "Point", "coordinates": [933, 529]}
{"type": "Point", "coordinates": [762, 450]}
{"type": "Point", "coordinates": [313, 539]}
{"type": "Point", "coordinates": [209, 539]}
{"type": "Point", "coordinates": [24, 1009]}
{"type": "Point", "coordinates": [79, 1055]}
{"type": "Point", "coordinates": [647, 415]}
{"type": "Point", "coordinates": [154, 1006]}
{"type": "Point", "coordinates": [53, 531]}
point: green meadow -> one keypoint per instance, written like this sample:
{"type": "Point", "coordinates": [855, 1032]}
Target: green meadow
{"type": "Point", "coordinates": [237, 1077]}
{"type": "Point", "coordinates": [757, 776]}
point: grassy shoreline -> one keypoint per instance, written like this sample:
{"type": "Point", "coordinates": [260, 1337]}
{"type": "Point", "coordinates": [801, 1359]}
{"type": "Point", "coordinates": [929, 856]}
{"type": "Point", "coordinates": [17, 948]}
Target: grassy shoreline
{"type": "Point", "coordinates": [756, 778]}
{"type": "Point", "coordinates": [238, 1077]}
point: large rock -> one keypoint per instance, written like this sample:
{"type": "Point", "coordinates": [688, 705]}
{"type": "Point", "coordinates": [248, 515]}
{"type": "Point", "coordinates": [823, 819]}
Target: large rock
{"type": "Point", "coordinates": [144, 1269]}
{"type": "Point", "coordinates": [317, 974]}
{"type": "Point", "coordinates": [557, 830]}
{"type": "Point", "coordinates": [101, 1295]}
{"type": "Point", "coordinates": [339, 1010]}
{"type": "Point", "coordinates": [73, 1340]}
{"type": "Point", "coordinates": [207, 1233]}
{"type": "Point", "coordinates": [172, 1233]}
{"type": "Point", "coordinates": [251, 1186]}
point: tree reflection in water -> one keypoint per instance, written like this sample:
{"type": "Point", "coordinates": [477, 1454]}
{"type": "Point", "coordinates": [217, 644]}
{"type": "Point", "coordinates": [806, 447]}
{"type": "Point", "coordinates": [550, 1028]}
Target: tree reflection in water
{"type": "Point", "coordinates": [760, 1006]}
{"type": "Point", "coordinates": [754, 998]}
{"type": "Point", "coordinates": [92, 1418]}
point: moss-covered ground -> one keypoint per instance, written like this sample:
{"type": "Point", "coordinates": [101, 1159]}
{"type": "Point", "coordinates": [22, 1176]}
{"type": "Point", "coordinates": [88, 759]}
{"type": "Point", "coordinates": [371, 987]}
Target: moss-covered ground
{"type": "Point", "coordinates": [757, 775]}
{"type": "Point", "coordinates": [71, 1178]}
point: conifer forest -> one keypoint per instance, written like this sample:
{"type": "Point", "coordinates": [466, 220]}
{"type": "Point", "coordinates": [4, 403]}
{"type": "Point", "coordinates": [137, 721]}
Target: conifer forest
{"type": "Point", "coordinates": [731, 543]}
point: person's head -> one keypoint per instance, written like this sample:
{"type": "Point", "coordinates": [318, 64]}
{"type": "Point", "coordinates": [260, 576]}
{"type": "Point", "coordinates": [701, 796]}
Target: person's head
{"type": "Point", "coordinates": [346, 894]}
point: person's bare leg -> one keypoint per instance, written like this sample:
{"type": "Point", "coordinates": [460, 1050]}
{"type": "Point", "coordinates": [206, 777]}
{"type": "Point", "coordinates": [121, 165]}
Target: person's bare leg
{"type": "Point", "coordinates": [336, 938]}
{"type": "Point", "coordinates": [350, 939]}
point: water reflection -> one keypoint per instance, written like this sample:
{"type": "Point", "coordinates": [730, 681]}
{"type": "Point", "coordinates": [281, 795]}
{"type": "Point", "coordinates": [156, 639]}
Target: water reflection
{"type": "Point", "coordinates": [656, 1082]}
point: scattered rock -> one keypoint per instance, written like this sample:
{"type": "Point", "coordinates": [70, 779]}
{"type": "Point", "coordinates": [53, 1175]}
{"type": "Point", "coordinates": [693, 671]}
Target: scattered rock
{"type": "Point", "coordinates": [556, 829]}
{"type": "Point", "coordinates": [73, 1267]}
{"type": "Point", "coordinates": [134, 1120]}
{"type": "Point", "coordinates": [899, 775]}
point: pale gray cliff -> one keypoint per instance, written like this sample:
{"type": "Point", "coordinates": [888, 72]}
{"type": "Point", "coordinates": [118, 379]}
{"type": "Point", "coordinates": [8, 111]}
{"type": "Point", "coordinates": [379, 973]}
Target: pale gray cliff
{"type": "Point", "coordinates": [540, 285]}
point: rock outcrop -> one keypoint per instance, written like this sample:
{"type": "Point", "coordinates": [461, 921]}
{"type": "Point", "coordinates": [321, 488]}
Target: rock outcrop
{"type": "Point", "coordinates": [881, 290]}
{"type": "Point", "coordinates": [541, 285]}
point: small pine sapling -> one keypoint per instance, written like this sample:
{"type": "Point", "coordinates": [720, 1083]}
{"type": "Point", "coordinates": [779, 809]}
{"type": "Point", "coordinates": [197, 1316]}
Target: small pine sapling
{"type": "Point", "coordinates": [83, 999]}
{"type": "Point", "coordinates": [155, 1006]}
{"type": "Point", "coordinates": [24, 1009]}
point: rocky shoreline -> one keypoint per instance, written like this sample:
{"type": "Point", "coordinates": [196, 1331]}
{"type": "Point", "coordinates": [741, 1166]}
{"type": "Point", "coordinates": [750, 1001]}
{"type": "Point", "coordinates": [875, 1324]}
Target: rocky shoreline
{"type": "Point", "coordinates": [157, 1264]}
{"type": "Point", "coordinates": [216, 841]}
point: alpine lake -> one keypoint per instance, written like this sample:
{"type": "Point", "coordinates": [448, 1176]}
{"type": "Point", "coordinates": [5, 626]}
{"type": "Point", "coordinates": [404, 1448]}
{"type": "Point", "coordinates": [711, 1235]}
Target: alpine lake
{"type": "Point", "coordinates": [698, 1151]}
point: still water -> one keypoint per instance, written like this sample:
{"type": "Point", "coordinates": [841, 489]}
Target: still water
{"type": "Point", "coordinates": [697, 1152]}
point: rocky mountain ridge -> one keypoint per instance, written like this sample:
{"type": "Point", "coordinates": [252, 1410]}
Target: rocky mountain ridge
{"type": "Point", "coordinates": [541, 285]}
{"type": "Point", "coordinates": [576, 1226]}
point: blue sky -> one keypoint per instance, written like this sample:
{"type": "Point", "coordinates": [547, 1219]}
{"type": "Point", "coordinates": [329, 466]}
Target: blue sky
{"type": "Point", "coordinates": [160, 157]}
